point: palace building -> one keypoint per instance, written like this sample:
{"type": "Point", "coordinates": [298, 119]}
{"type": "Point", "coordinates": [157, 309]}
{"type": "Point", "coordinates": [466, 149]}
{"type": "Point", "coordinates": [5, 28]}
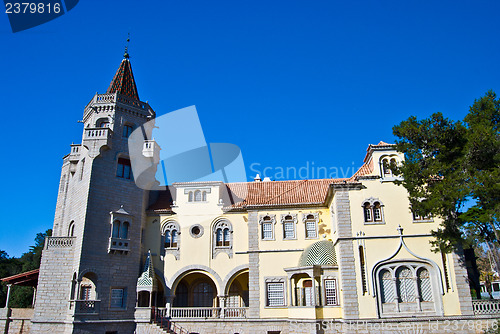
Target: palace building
{"type": "Point", "coordinates": [300, 256]}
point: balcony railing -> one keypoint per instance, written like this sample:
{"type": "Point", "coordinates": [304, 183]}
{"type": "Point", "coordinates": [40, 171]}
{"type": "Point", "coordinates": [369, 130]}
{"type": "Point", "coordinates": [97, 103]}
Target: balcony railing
{"type": "Point", "coordinates": [486, 306]}
{"type": "Point", "coordinates": [59, 242]}
{"type": "Point", "coordinates": [195, 312]}
{"type": "Point", "coordinates": [235, 312]}
{"type": "Point", "coordinates": [159, 316]}
{"type": "Point", "coordinates": [118, 244]}
{"type": "Point", "coordinates": [97, 133]}
{"type": "Point", "coordinates": [85, 306]}
{"type": "Point", "coordinates": [74, 155]}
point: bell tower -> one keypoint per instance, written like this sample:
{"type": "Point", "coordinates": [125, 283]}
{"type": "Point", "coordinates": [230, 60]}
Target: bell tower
{"type": "Point", "coordinates": [89, 269]}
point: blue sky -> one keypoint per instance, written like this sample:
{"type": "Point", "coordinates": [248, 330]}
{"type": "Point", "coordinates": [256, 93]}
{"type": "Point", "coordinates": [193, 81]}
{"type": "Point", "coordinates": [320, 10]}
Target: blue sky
{"type": "Point", "coordinates": [290, 82]}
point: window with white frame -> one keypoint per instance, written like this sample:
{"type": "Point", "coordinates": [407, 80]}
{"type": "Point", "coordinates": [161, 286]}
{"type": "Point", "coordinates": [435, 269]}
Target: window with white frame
{"type": "Point", "coordinates": [120, 229]}
{"type": "Point", "coordinates": [386, 163]}
{"type": "Point", "coordinates": [171, 233]}
{"type": "Point", "coordinates": [275, 294]}
{"type": "Point", "coordinates": [289, 221]}
{"type": "Point", "coordinates": [197, 195]}
{"type": "Point", "coordinates": [267, 223]}
{"type": "Point", "coordinates": [417, 218]}
{"type": "Point", "coordinates": [331, 292]}
{"type": "Point", "coordinates": [405, 283]}
{"type": "Point", "coordinates": [311, 225]}
{"type": "Point", "coordinates": [222, 237]}
{"type": "Point", "coordinates": [117, 298]}
{"type": "Point", "coordinates": [222, 233]}
{"type": "Point", "coordinates": [373, 211]}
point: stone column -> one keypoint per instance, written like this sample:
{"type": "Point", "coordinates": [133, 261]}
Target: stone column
{"type": "Point", "coordinates": [253, 272]}
{"type": "Point", "coordinates": [9, 286]}
{"type": "Point", "coordinates": [346, 255]}
{"type": "Point", "coordinates": [222, 303]}
{"type": "Point", "coordinates": [462, 283]}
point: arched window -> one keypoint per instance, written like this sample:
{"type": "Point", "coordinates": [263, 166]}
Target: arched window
{"type": "Point", "coordinates": [385, 166]}
{"type": "Point", "coordinates": [181, 295]}
{"type": "Point", "coordinates": [373, 211]}
{"type": "Point", "coordinates": [197, 196]}
{"type": "Point", "coordinates": [405, 286]}
{"type": "Point", "coordinates": [171, 233]}
{"type": "Point", "coordinates": [204, 196]}
{"type": "Point", "coordinates": [190, 196]}
{"type": "Point", "coordinates": [116, 229]}
{"type": "Point", "coordinates": [124, 230]}
{"type": "Point", "coordinates": [377, 212]}
{"type": "Point", "coordinates": [267, 227]}
{"type": "Point", "coordinates": [387, 291]}
{"type": "Point", "coordinates": [311, 224]}
{"type": "Point", "coordinates": [222, 231]}
{"type": "Point", "coordinates": [71, 229]}
{"type": "Point", "coordinates": [203, 295]}
{"type": "Point", "coordinates": [424, 285]}
{"type": "Point", "coordinates": [103, 123]}
{"type": "Point", "coordinates": [288, 222]}
{"type": "Point", "coordinates": [226, 237]}
{"type": "Point", "coordinates": [220, 238]}
{"type": "Point", "coordinates": [367, 209]}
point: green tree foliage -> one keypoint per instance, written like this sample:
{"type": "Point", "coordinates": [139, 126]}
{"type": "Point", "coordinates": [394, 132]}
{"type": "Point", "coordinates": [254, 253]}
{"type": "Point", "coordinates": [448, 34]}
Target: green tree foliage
{"type": "Point", "coordinates": [451, 163]}
{"type": "Point", "coordinates": [21, 296]}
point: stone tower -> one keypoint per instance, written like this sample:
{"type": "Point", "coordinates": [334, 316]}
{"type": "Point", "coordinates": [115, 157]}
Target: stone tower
{"type": "Point", "coordinates": [90, 265]}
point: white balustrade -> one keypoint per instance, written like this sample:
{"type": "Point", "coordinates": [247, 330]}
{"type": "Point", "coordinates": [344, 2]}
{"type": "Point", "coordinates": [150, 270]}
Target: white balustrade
{"type": "Point", "coordinates": [59, 242]}
{"type": "Point", "coordinates": [486, 306]}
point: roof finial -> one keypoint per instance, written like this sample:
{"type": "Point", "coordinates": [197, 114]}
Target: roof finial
{"type": "Point", "coordinates": [126, 55]}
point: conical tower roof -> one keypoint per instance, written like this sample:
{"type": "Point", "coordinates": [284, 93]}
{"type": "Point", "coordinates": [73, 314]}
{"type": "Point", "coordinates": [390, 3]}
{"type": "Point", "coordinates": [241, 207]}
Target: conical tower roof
{"type": "Point", "coordinates": [123, 82]}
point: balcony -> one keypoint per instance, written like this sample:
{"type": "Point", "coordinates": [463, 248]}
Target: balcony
{"type": "Point", "coordinates": [59, 242]}
{"type": "Point", "coordinates": [96, 138]}
{"type": "Point", "coordinates": [118, 244]}
{"type": "Point", "coordinates": [74, 155]}
{"type": "Point", "coordinates": [208, 312]}
{"type": "Point", "coordinates": [151, 150]}
{"type": "Point", "coordinates": [85, 307]}
{"type": "Point", "coordinates": [486, 306]}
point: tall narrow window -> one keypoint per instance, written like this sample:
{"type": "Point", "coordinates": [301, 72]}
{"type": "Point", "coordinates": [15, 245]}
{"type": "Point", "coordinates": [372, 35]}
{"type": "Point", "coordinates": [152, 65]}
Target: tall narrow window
{"type": "Point", "coordinates": [424, 285]}
{"type": "Point", "coordinates": [124, 169]}
{"type": "Point", "coordinates": [226, 237]}
{"type": "Point", "coordinates": [204, 196]}
{"type": "Point", "coordinates": [190, 196]}
{"type": "Point", "coordinates": [331, 292]}
{"type": "Point", "coordinates": [288, 227]}
{"type": "Point", "coordinates": [127, 131]}
{"type": "Point", "coordinates": [85, 291]}
{"type": "Point", "coordinates": [377, 212]}
{"type": "Point", "coordinates": [116, 229]}
{"type": "Point", "coordinates": [363, 269]}
{"type": "Point", "coordinates": [82, 168]}
{"type": "Point", "coordinates": [311, 222]}
{"type": "Point", "coordinates": [71, 229]}
{"type": "Point", "coordinates": [388, 293]}
{"type": "Point", "coordinates": [124, 230]}
{"type": "Point", "coordinates": [197, 196]}
{"type": "Point", "coordinates": [368, 212]}
{"type": "Point", "coordinates": [174, 238]}
{"type": "Point", "coordinates": [275, 294]}
{"type": "Point", "coordinates": [220, 237]}
{"type": "Point", "coordinates": [405, 285]}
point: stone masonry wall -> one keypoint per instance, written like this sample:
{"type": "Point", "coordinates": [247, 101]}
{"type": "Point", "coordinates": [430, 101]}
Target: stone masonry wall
{"type": "Point", "coordinates": [346, 255]}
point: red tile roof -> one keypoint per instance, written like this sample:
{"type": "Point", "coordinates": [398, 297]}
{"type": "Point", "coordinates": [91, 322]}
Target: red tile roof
{"type": "Point", "coordinates": [29, 278]}
{"type": "Point", "coordinates": [123, 82]}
